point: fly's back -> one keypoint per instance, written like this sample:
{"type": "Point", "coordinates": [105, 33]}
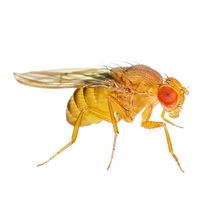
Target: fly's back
{"type": "Point", "coordinates": [140, 78]}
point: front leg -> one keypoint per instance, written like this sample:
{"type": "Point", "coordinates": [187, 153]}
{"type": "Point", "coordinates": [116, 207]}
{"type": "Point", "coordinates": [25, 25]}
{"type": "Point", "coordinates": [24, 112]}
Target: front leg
{"type": "Point", "coordinates": [168, 121]}
{"type": "Point", "coordinates": [153, 124]}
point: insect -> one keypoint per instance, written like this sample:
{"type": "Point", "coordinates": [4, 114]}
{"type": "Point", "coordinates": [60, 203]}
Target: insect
{"type": "Point", "coordinates": [113, 94]}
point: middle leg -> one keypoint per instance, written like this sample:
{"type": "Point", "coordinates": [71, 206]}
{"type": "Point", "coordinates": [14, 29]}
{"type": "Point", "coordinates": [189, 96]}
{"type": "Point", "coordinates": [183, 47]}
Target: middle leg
{"type": "Point", "coordinates": [110, 117]}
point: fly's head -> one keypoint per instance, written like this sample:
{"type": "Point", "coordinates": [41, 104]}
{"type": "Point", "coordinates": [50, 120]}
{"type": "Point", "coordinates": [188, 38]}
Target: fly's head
{"type": "Point", "coordinates": [171, 95]}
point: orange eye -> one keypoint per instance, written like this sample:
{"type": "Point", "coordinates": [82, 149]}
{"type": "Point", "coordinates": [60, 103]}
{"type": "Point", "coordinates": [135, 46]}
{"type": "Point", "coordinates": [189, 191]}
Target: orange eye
{"type": "Point", "coordinates": [167, 96]}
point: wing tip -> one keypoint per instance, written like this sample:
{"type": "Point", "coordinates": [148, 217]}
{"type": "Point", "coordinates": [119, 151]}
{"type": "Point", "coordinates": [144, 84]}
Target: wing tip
{"type": "Point", "coordinates": [16, 75]}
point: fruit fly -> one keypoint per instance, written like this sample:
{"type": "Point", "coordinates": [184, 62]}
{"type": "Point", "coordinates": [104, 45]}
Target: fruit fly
{"type": "Point", "coordinates": [113, 94]}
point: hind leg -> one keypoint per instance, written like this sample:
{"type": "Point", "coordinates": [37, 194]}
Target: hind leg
{"type": "Point", "coordinates": [73, 139]}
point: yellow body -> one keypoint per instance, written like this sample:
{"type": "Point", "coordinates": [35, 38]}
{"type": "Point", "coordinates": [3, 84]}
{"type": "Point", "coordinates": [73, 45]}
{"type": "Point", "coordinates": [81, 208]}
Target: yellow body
{"type": "Point", "coordinates": [111, 95]}
{"type": "Point", "coordinates": [134, 91]}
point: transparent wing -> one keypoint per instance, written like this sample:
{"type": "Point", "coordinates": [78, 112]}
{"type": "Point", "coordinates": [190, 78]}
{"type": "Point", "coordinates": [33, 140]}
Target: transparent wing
{"type": "Point", "coordinates": [66, 78]}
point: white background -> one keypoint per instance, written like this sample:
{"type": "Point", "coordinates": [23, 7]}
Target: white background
{"type": "Point", "coordinates": [179, 38]}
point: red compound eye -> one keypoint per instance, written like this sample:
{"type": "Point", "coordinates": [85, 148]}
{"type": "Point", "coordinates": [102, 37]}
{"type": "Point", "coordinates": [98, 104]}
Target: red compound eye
{"type": "Point", "coordinates": [167, 96]}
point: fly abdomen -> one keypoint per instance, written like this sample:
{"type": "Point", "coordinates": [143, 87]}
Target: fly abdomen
{"type": "Point", "coordinates": [84, 99]}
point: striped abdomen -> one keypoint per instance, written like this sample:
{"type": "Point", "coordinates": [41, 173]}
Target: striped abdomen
{"type": "Point", "coordinates": [86, 98]}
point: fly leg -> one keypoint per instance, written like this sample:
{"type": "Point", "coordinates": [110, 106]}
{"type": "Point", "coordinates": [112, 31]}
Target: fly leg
{"type": "Point", "coordinates": [152, 124]}
{"type": "Point", "coordinates": [114, 123]}
{"type": "Point", "coordinates": [110, 117]}
{"type": "Point", "coordinates": [106, 116]}
{"type": "Point", "coordinates": [73, 139]}
{"type": "Point", "coordinates": [168, 121]}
